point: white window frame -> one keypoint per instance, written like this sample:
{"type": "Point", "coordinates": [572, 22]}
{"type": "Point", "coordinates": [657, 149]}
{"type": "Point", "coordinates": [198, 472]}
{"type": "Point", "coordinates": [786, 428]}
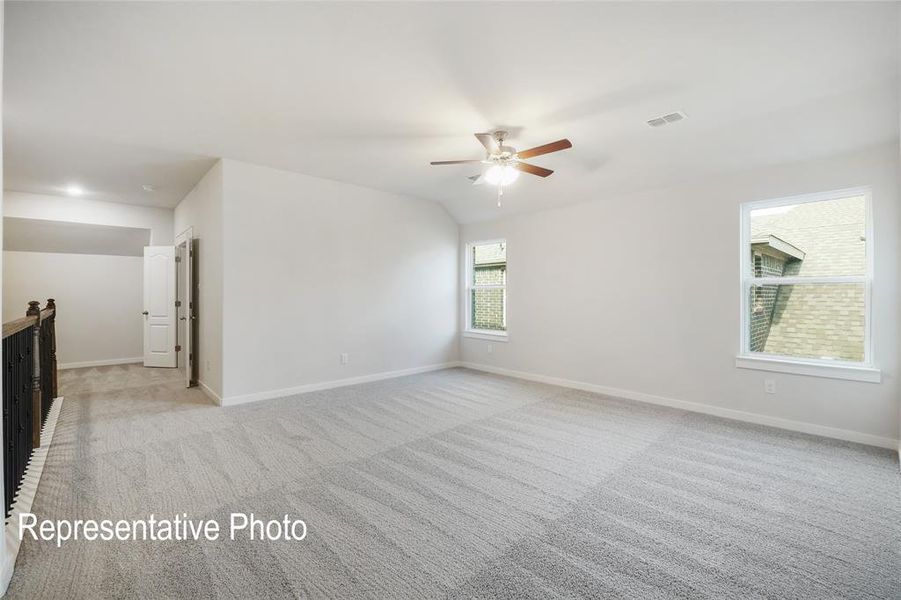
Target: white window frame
{"type": "Point", "coordinates": [468, 287]}
{"type": "Point", "coordinates": [837, 369]}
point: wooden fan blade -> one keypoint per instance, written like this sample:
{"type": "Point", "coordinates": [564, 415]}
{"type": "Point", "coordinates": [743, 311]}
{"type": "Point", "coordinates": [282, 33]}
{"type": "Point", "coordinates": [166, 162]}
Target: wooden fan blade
{"type": "Point", "coordinates": [488, 141]}
{"type": "Point", "coordinates": [532, 169]}
{"type": "Point", "coordinates": [454, 162]}
{"type": "Point", "coordinates": [545, 149]}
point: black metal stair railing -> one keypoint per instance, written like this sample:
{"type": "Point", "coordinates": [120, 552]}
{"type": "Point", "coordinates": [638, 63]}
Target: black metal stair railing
{"type": "Point", "coordinates": [46, 373]}
{"type": "Point", "coordinates": [18, 365]}
{"type": "Point", "coordinates": [29, 387]}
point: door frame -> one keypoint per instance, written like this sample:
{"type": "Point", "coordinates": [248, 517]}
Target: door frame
{"type": "Point", "coordinates": [186, 312]}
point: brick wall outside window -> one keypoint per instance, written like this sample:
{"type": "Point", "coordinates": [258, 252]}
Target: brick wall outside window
{"type": "Point", "coordinates": [763, 299]}
{"type": "Point", "coordinates": [488, 305]}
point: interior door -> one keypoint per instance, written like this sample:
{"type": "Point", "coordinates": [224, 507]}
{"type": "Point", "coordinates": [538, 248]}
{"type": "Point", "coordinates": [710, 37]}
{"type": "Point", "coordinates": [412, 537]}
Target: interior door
{"type": "Point", "coordinates": [188, 347]}
{"type": "Point", "coordinates": [159, 306]}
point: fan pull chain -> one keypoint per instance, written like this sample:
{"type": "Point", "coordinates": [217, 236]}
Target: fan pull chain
{"type": "Point", "coordinates": [500, 194]}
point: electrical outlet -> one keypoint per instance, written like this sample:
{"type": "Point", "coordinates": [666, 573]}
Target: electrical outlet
{"type": "Point", "coordinates": [344, 358]}
{"type": "Point", "coordinates": [769, 386]}
{"type": "Point", "coordinates": [490, 348]}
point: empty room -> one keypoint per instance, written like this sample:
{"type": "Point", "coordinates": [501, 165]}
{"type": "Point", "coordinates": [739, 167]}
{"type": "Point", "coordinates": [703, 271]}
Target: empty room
{"type": "Point", "coordinates": [402, 300]}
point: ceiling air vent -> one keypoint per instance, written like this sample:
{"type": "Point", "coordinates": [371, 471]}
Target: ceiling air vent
{"type": "Point", "coordinates": [667, 119]}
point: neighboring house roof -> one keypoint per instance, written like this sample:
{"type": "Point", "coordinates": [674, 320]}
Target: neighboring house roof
{"type": "Point", "coordinates": [818, 320]}
{"type": "Point", "coordinates": [830, 233]}
{"type": "Point", "coordinates": [490, 254]}
{"type": "Point", "coordinates": [778, 246]}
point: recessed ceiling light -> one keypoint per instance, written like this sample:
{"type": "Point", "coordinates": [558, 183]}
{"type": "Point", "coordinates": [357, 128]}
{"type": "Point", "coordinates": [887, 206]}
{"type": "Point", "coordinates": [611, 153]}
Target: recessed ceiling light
{"type": "Point", "coordinates": [148, 188]}
{"type": "Point", "coordinates": [75, 190]}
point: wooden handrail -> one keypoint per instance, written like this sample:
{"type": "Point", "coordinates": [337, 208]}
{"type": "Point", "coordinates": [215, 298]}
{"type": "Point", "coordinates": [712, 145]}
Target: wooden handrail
{"type": "Point", "coordinates": [18, 325]}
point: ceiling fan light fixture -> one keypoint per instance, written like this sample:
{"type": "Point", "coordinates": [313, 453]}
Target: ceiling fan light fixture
{"type": "Point", "coordinates": [501, 175]}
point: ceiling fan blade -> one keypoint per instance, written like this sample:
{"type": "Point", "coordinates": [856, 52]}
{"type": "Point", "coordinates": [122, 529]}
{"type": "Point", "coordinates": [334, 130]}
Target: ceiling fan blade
{"type": "Point", "coordinates": [545, 149]}
{"type": "Point", "coordinates": [532, 169]}
{"type": "Point", "coordinates": [477, 179]}
{"type": "Point", "coordinates": [488, 141]}
{"type": "Point", "coordinates": [454, 162]}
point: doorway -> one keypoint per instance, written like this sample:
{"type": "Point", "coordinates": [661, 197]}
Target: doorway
{"type": "Point", "coordinates": [185, 333]}
{"type": "Point", "coordinates": [169, 307]}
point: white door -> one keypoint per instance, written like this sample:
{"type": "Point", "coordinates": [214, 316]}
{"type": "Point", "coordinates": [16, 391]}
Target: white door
{"type": "Point", "coordinates": [188, 309]}
{"type": "Point", "coordinates": [159, 306]}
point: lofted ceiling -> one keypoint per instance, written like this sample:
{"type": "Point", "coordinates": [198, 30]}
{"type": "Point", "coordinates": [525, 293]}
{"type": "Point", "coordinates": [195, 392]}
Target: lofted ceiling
{"type": "Point", "coordinates": [116, 95]}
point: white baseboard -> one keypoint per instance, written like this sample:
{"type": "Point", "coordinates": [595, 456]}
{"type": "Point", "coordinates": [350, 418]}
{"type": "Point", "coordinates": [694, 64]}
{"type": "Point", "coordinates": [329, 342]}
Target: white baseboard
{"type": "Point", "coordinates": [209, 392]}
{"type": "Point", "coordinates": [326, 385]}
{"type": "Point", "coordinates": [708, 409]}
{"type": "Point", "coordinates": [25, 497]}
{"type": "Point", "coordinates": [100, 363]}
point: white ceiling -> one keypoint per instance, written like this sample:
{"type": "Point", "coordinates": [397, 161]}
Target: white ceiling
{"type": "Point", "coordinates": [119, 94]}
{"type": "Point", "coordinates": [47, 162]}
{"type": "Point", "coordinates": [39, 235]}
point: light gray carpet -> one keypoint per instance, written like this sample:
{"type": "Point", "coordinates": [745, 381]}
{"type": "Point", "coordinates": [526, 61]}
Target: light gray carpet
{"type": "Point", "coordinates": [458, 484]}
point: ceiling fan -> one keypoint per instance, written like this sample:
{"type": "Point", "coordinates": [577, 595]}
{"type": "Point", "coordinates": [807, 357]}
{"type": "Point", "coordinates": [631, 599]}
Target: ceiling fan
{"type": "Point", "coordinates": [505, 162]}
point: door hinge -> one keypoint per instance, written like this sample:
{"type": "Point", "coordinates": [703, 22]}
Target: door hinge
{"type": "Point", "coordinates": [177, 259]}
{"type": "Point", "coordinates": [178, 303]}
{"type": "Point", "coordinates": [178, 347]}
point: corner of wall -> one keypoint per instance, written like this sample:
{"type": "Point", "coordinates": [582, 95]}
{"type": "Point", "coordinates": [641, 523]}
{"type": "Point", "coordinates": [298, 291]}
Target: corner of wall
{"type": "Point", "coordinates": [202, 210]}
{"type": "Point", "coordinates": [6, 561]}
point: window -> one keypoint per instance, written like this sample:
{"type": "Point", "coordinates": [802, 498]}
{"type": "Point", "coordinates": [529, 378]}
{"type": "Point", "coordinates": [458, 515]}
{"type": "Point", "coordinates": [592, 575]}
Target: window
{"type": "Point", "coordinates": [806, 282]}
{"type": "Point", "coordinates": [486, 289]}
{"type": "Point", "coordinates": [757, 307]}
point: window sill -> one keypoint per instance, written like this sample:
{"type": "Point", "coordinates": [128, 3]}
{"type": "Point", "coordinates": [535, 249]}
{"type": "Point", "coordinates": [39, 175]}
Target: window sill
{"type": "Point", "coordinates": [495, 336]}
{"type": "Point", "coordinates": [810, 368]}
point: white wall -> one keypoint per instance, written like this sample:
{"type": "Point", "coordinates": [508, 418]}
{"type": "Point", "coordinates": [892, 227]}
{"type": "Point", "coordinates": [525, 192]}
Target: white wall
{"type": "Point", "coordinates": [640, 293]}
{"type": "Point", "coordinates": [98, 297]}
{"type": "Point", "coordinates": [315, 268]}
{"type": "Point", "coordinates": [201, 210]}
{"type": "Point", "coordinates": [6, 561]}
{"type": "Point", "coordinates": [83, 210]}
